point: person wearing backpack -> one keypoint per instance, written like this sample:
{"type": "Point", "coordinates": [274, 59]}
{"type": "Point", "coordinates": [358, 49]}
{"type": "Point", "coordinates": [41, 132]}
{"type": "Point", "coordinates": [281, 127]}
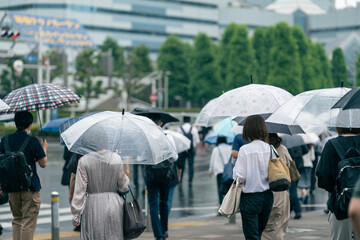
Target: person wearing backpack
{"type": "Point", "coordinates": [337, 151]}
{"type": "Point", "coordinates": [158, 179]}
{"type": "Point", "coordinates": [25, 204]}
{"type": "Point", "coordinates": [191, 133]}
{"type": "Point", "coordinates": [219, 157]}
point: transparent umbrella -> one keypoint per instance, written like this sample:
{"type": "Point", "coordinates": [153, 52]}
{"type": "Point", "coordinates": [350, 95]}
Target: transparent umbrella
{"type": "Point", "coordinates": [310, 108]}
{"type": "Point", "coordinates": [137, 139]}
{"type": "Point", "coordinates": [204, 119]}
{"type": "Point", "coordinates": [182, 143]}
{"type": "Point", "coordinates": [349, 118]}
{"type": "Point", "coordinates": [247, 100]}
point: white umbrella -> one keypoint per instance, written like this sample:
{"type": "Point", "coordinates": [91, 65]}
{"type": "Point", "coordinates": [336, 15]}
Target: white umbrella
{"type": "Point", "coordinates": [310, 108]}
{"type": "Point", "coordinates": [248, 100]}
{"type": "Point", "coordinates": [135, 138]}
{"type": "Point", "coordinates": [204, 119]}
{"type": "Point", "coordinates": [182, 143]}
{"type": "Point", "coordinates": [349, 118]}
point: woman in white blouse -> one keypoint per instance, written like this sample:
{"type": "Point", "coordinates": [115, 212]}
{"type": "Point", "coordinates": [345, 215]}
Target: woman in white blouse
{"type": "Point", "coordinates": [251, 168]}
{"type": "Point", "coordinates": [220, 155]}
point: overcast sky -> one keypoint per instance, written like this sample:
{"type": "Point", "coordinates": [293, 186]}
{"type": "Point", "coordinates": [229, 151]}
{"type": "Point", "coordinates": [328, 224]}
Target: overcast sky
{"type": "Point", "coordinates": [344, 3]}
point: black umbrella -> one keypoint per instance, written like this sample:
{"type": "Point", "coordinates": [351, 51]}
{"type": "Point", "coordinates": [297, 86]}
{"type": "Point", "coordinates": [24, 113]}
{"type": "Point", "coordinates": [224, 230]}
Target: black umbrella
{"type": "Point", "coordinates": [274, 127]}
{"type": "Point", "coordinates": [165, 117]}
{"type": "Point", "coordinates": [350, 100]}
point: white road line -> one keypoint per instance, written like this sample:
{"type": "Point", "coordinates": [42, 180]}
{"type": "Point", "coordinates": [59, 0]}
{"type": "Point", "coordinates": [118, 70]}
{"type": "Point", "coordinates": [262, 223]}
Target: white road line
{"type": "Point", "coordinates": [41, 213]}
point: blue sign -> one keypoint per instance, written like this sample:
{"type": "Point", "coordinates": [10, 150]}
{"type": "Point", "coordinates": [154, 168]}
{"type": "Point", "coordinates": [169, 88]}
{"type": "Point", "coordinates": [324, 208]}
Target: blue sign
{"type": "Point", "coordinates": [54, 32]}
{"type": "Point", "coordinates": [31, 59]}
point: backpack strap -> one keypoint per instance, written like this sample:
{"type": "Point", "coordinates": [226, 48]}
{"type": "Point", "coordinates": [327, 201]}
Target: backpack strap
{"type": "Point", "coordinates": [338, 148]}
{"type": "Point", "coordinates": [190, 130]}
{"type": "Point", "coordinates": [25, 143]}
{"type": "Point", "coordinates": [182, 130]}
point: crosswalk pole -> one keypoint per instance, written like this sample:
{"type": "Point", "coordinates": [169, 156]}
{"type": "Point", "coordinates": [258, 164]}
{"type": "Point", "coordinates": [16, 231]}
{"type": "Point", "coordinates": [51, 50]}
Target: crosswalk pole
{"type": "Point", "coordinates": [55, 226]}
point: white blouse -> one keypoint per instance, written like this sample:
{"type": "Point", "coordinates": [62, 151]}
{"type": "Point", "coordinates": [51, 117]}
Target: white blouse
{"type": "Point", "coordinates": [220, 155]}
{"type": "Point", "coordinates": [252, 166]}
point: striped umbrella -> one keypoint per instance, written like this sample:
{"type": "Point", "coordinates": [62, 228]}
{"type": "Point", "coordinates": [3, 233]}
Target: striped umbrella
{"type": "Point", "coordinates": [38, 97]}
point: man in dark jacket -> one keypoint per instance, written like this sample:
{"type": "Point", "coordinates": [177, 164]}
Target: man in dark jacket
{"type": "Point", "coordinates": [25, 205]}
{"type": "Point", "coordinates": [327, 171]}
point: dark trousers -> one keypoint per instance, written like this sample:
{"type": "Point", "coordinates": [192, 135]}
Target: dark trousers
{"type": "Point", "coordinates": [255, 213]}
{"type": "Point", "coordinates": [294, 201]}
{"type": "Point", "coordinates": [190, 159]}
{"type": "Point", "coordinates": [158, 193]}
{"type": "Point", "coordinates": [219, 184]}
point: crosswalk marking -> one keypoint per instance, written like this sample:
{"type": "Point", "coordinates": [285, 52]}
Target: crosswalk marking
{"type": "Point", "coordinates": [43, 218]}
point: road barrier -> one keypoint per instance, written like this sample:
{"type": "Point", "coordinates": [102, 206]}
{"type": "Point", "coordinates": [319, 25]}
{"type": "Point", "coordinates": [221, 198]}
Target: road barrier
{"type": "Point", "coordinates": [55, 223]}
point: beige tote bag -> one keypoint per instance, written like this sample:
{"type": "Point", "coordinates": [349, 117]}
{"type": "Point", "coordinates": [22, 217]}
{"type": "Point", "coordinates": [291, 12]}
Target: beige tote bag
{"type": "Point", "coordinates": [231, 202]}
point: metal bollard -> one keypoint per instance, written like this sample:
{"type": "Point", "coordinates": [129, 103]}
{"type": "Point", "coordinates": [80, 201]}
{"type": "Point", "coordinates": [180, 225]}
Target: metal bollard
{"type": "Point", "coordinates": [147, 213]}
{"type": "Point", "coordinates": [55, 226]}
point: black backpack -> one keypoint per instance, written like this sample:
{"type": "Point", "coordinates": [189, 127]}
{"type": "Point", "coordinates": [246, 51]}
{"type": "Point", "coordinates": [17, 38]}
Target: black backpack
{"type": "Point", "coordinates": [190, 137]}
{"type": "Point", "coordinates": [15, 172]}
{"type": "Point", "coordinates": [160, 172]}
{"type": "Point", "coordinates": [348, 174]}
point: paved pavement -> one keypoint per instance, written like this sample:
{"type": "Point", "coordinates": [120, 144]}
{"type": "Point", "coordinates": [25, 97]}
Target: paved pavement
{"type": "Point", "coordinates": [313, 225]}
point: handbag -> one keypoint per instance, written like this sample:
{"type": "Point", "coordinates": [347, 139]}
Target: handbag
{"type": "Point", "coordinates": [231, 202]}
{"type": "Point", "coordinates": [278, 173]}
{"type": "Point", "coordinates": [133, 221]}
{"type": "Point", "coordinates": [294, 172]}
{"type": "Point", "coordinates": [227, 176]}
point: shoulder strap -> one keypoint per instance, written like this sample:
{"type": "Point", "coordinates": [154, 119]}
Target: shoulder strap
{"type": "Point", "coordinates": [272, 150]}
{"type": "Point", "coordinates": [6, 144]}
{"type": "Point", "coordinates": [182, 130]}
{"type": "Point", "coordinates": [25, 143]}
{"type": "Point", "coordinates": [190, 130]}
{"type": "Point", "coordinates": [338, 148]}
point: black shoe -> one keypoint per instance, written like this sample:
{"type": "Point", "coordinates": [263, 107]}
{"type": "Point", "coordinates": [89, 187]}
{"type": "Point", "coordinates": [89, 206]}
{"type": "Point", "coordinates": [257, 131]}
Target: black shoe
{"type": "Point", "coordinates": [326, 211]}
{"type": "Point", "coordinates": [165, 235]}
{"type": "Point", "coordinates": [77, 229]}
{"type": "Point", "coordinates": [1, 229]}
{"type": "Point", "coordinates": [297, 216]}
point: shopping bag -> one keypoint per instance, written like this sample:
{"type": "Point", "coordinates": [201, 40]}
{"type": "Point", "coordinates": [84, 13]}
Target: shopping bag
{"type": "Point", "coordinates": [278, 173]}
{"type": "Point", "coordinates": [231, 202]}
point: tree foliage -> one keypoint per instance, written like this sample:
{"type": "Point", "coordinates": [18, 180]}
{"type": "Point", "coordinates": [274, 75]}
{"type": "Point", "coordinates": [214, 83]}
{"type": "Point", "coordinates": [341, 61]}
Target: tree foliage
{"type": "Point", "coordinates": [174, 59]}
{"type": "Point", "coordinates": [204, 77]}
{"type": "Point", "coordinates": [225, 49]}
{"type": "Point", "coordinates": [241, 59]}
{"type": "Point", "coordinates": [358, 71]}
{"type": "Point", "coordinates": [284, 65]}
{"type": "Point", "coordinates": [117, 53]}
{"type": "Point", "coordinates": [261, 53]}
{"type": "Point", "coordinates": [55, 60]}
{"type": "Point", "coordinates": [339, 69]}
{"type": "Point", "coordinates": [86, 67]}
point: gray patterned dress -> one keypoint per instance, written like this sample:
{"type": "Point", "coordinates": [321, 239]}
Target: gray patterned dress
{"type": "Point", "coordinates": [95, 203]}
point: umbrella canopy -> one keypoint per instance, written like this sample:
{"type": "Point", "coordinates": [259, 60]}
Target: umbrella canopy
{"type": "Point", "coordinates": [3, 105]}
{"type": "Point", "coordinates": [204, 119]}
{"type": "Point", "coordinates": [137, 139]}
{"type": "Point", "coordinates": [165, 117]}
{"type": "Point", "coordinates": [292, 141]}
{"type": "Point", "coordinates": [182, 143]}
{"type": "Point", "coordinates": [349, 118]}
{"type": "Point", "coordinates": [212, 137]}
{"type": "Point", "coordinates": [350, 100]}
{"type": "Point", "coordinates": [271, 127]}
{"type": "Point", "coordinates": [248, 100]}
{"type": "Point", "coordinates": [39, 96]}
{"type": "Point", "coordinates": [310, 108]}
{"type": "Point", "coordinates": [223, 128]}
{"type": "Point", "coordinates": [53, 125]}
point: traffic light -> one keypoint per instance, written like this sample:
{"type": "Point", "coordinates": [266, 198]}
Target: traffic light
{"type": "Point", "coordinates": [6, 33]}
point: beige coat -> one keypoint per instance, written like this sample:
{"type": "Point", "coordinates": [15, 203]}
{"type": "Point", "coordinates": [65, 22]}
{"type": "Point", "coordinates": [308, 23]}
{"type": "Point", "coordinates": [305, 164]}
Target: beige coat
{"type": "Point", "coordinates": [280, 213]}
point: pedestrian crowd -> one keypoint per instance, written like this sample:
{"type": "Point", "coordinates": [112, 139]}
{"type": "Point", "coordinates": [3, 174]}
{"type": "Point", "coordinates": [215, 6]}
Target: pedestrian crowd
{"type": "Point", "coordinates": [100, 179]}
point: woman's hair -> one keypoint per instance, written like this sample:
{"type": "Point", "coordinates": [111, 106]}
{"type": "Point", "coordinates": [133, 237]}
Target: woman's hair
{"type": "Point", "coordinates": [221, 139]}
{"type": "Point", "coordinates": [342, 131]}
{"type": "Point", "coordinates": [255, 128]}
{"type": "Point", "coordinates": [274, 139]}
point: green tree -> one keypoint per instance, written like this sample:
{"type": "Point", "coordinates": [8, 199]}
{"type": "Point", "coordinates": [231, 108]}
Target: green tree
{"type": "Point", "coordinates": [323, 62]}
{"type": "Point", "coordinates": [204, 77]}
{"type": "Point", "coordinates": [358, 71]}
{"type": "Point", "coordinates": [307, 71]}
{"type": "Point", "coordinates": [55, 60]}
{"type": "Point", "coordinates": [87, 67]}
{"type": "Point", "coordinates": [261, 52]}
{"type": "Point", "coordinates": [116, 52]}
{"type": "Point", "coordinates": [241, 59]}
{"type": "Point", "coordinates": [10, 80]}
{"type": "Point", "coordinates": [138, 65]}
{"type": "Point", "coordinates": [173, 58]}
{"type": "Point", "coordinates": [284, 63]}
{"type": "Point", "coordinates": [339, 69]}
{"type": "Point", "coordinates": [225, 49]}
